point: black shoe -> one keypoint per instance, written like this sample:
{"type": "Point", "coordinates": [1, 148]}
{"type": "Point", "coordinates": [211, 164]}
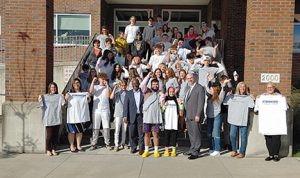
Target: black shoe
{"type": "Point", "coordinates": [269, 158]}
{"type": "Point", "coordinates": [192, 157]}
{"type": "Point", "coordinates": [276, 158]}
{"type": "Point", "coordinates": [133, 151]}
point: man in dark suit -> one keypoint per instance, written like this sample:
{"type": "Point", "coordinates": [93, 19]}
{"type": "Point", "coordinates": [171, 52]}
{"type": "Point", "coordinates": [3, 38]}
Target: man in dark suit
{"type": "Point", "coordinates": [133, 114]}
{"type": "Point", "coordinates": [194, 104]}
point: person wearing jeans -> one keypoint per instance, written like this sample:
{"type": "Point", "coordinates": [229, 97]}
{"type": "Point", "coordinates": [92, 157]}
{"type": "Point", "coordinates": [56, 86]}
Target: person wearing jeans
{"type": "Point", "coordinates": [214, 133]}
{"type": "Point", "coordinates": [233, 138]}
{"type": "Point", "coordinates": [215, 96]}
{"type": "Point", "coordinates": [238, 110]}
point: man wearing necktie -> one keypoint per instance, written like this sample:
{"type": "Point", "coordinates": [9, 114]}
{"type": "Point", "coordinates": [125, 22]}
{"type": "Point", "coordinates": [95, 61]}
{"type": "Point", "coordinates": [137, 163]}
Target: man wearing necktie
{"type": "Point", "coordinates": [194, 104]}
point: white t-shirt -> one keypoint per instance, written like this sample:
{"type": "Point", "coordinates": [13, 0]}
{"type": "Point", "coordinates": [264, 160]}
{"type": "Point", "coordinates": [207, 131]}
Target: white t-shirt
{"type": "Point", "coordinates": [130, 32]}
{"type": "Point", "coordinates": [182, 52]}
{"type": "Point", "coordinates": [271, 114]}
{"type": "Point", "coordinates": [155, 60]}
{"type": "Point", "coordinates": [101, 101]}
{"type": "Point", "coordinates": [171, 116]}
{"type": "Point", "coordinates": [78, 108]}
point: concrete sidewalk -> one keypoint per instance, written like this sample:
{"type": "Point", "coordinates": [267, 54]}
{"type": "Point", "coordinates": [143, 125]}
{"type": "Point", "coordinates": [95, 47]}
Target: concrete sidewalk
{"type": "Point", "coordinates": [109, 164]}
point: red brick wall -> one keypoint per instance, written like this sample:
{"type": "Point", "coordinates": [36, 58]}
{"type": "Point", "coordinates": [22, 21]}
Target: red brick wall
{"type": "Point", "coordinates": [92, 7]}
{"type": "Point", "coordinates": [233, 25]}
{"type": "Point", "coordinates": [69, 53]}
{"type": "Point", "coordinates": [29, 47]}
{"type": "Point", "coordinates": [1, 14]}
{"type": "Point", "coordinates": [269, 42]}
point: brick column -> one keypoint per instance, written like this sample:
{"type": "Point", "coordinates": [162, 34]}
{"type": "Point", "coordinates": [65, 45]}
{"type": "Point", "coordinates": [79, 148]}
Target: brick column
{"type": "Point", "coordinates": [29, 68]}
{"type": "Point", "coordinates": [29, 48]}
{"type": "Point", "coordinates": [269, 42]}
{"type": "Point", "coordinates": [233, 24]}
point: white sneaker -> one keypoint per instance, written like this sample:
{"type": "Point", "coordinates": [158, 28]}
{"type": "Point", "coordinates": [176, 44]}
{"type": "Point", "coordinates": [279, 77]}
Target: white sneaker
{"type": "Point", "coordinates": [215, 153]}
{"type": "Point", "coordinates": [210, 151]}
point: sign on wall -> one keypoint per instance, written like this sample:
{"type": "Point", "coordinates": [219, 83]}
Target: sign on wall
{"type": "Point", "coordinates": [68, 71]}
{"type": "Point", "coordinates": [269, 77]}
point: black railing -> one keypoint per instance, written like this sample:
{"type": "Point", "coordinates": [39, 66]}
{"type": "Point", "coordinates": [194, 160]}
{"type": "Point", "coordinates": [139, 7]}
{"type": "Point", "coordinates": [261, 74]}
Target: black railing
{"type": "Point", "coordinates": [77, 70]}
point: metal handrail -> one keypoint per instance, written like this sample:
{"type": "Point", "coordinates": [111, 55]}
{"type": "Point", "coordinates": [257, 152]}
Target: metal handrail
{"type": "Point", "coordinates": [77, 70]}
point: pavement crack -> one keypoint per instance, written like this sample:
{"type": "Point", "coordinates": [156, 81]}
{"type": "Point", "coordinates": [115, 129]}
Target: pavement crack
{"type": "Point", "coordinates": [141, 168]}
{"type": "Point", "coordinates": [58, 165]}
{"type": "Point", "coordinates": [225, 168]}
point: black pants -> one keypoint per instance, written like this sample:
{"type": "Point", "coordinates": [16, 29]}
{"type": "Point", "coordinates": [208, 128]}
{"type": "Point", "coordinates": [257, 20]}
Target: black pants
{"type": "Point", "coordinates": [273, 143]}
{"type": "Point", "coordinates": [136, 134]}
{"type": "Point", "coordinates": [51, 137]}
{"type": "Point", "coordinates": [170, 137]}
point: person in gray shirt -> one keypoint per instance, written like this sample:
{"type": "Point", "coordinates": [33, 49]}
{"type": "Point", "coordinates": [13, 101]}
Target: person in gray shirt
{"type": "Point", "coordinates": [238, 110]}
{"type": "Point", "coordinates": [51, 104]}
{"type": "Point", "coordinates": [118, 95]}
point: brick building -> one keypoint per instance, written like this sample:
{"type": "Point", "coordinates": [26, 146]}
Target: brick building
{"type": "Point", "coordinates": [258, 37]}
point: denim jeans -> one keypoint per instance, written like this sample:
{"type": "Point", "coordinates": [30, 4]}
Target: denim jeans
{"type": "Point", "coordinates": [214, 132]}
{"type": "Point", "coordinates": [233, 138]}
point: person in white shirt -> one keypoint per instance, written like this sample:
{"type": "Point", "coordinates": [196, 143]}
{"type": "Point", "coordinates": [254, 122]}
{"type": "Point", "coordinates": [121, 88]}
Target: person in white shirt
{"type": "Point", "coordinates": [157, 58]}
{"type": "Point", "coordinates": [77, 114]}
{"type": "Point", "coordinates": [138, 65]}
{"type": "Point", "coordinates": [101, 110]}
{"type": "Point", "coordinates": [103, 36]}
{"type": "Point", "coordinates": [272, 107]}
{"type": "Point", "coordinates": [181, 51]}
{"type": "Point", "coordinates": [131, 31]}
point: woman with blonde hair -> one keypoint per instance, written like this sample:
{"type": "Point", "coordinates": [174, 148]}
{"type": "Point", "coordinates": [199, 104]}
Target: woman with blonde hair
{"type": "Point", "coordinates": [238, 110]}
{"type": "Point", "coordinates": [171, 80]}
{"type": "Point", "coordinates": [133, 74]}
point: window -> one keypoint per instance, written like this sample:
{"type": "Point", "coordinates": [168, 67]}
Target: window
{"type": "Point", "coordinates": [72, 25]}
{"type": "Point", "coordinates": [122, 17]}
{"type": "Point", "coordinates": [182, 18]}
{"type": "Point", "coordinates": [181, 15]}
{"type": "Point", "coordinates": [296, 46]}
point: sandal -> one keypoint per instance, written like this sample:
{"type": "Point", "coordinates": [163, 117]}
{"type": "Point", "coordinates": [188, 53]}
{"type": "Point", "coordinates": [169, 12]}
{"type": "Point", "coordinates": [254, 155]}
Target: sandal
{"type": "Point", "coordinates": [240, 156]}
{"type": "Point", "coordinates": [49, 153]}
{"type": "Point", "coordinates": [73, 151]}
{"type": "Point", "coordinates": [54, 153]}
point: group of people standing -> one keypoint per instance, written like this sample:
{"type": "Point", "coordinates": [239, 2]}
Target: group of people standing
{"type": "Point", "coordinates": [174, 84]}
